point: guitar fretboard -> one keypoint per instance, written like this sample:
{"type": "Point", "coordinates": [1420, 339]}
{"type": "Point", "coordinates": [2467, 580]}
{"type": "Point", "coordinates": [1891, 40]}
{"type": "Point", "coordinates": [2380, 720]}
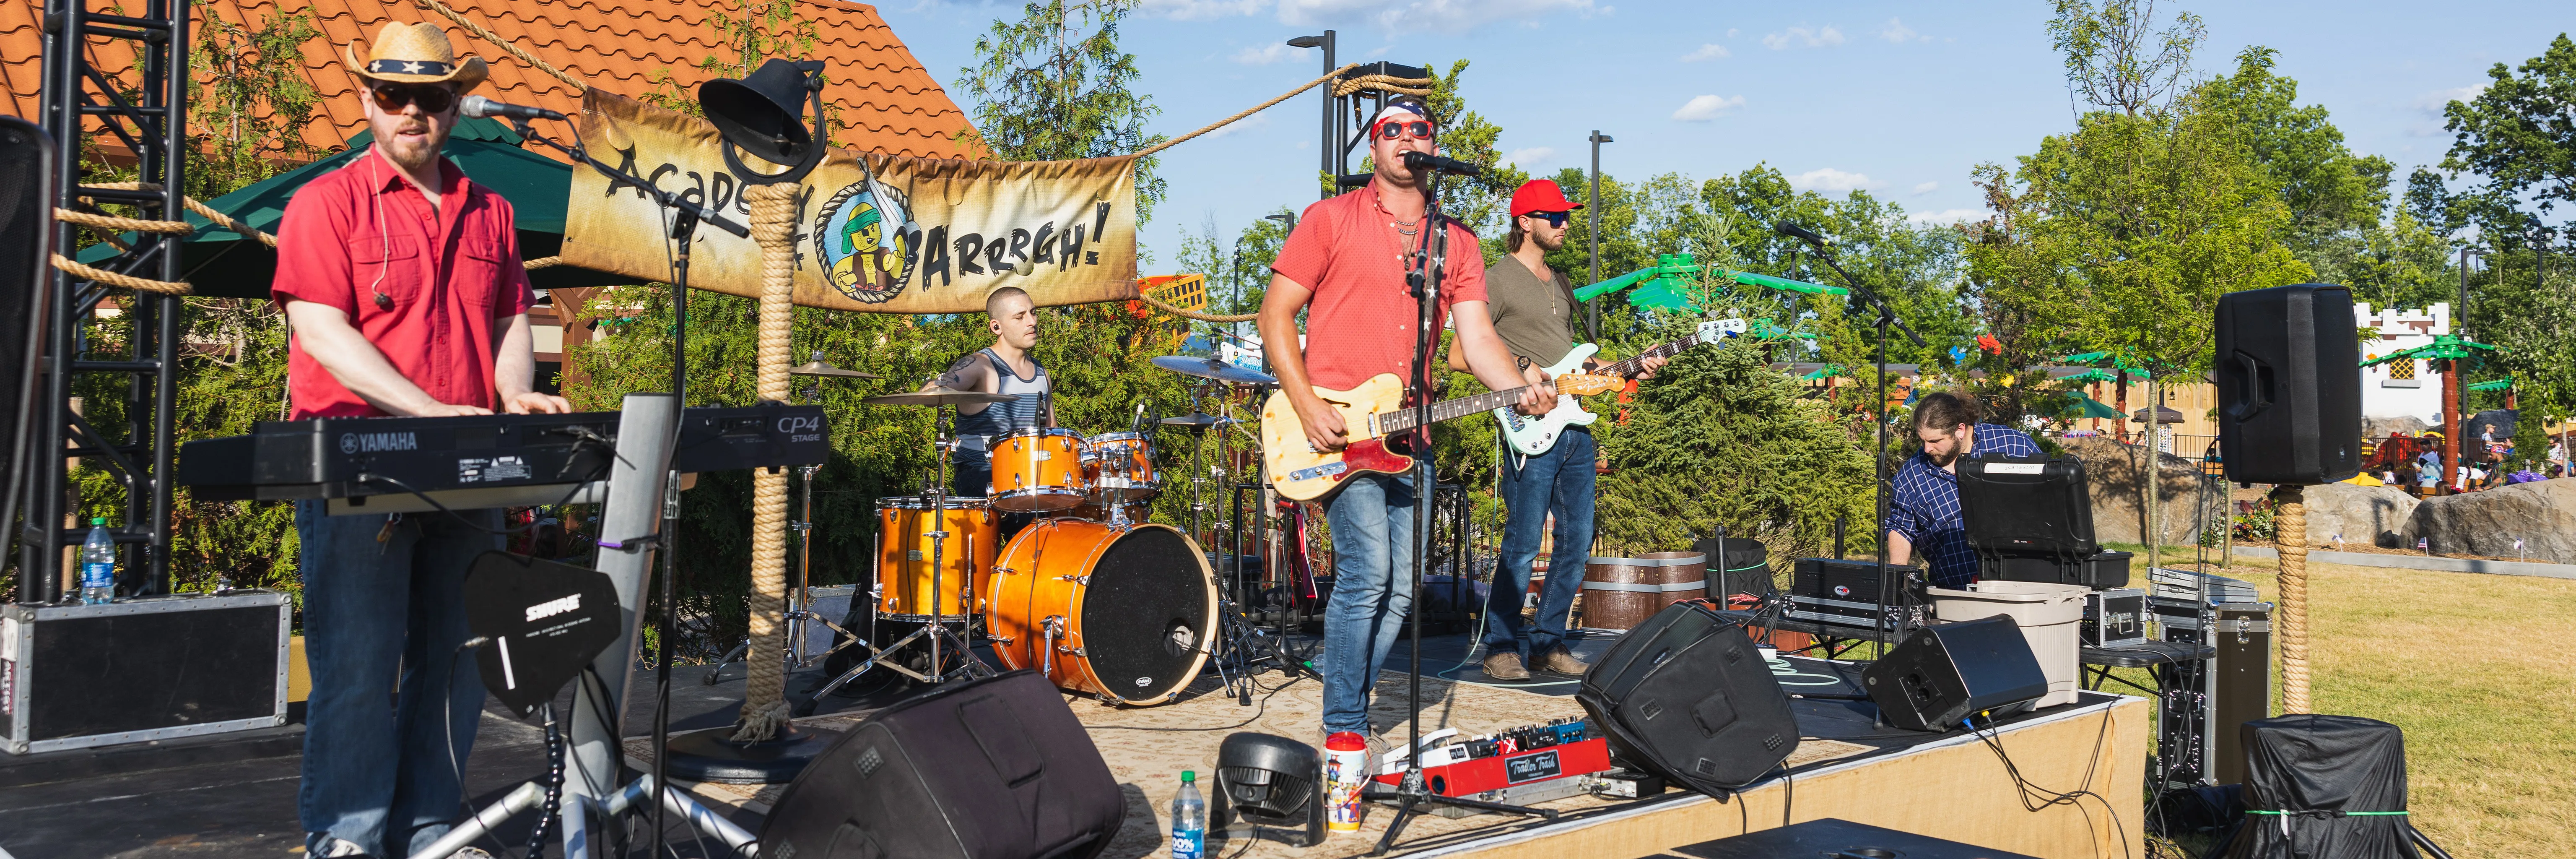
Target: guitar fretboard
{"type": "Point", "coordinates": [1396, 422]}
{"type": "Point", "coordinates": [1623, 368]}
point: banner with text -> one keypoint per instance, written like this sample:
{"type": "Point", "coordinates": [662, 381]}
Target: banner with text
{"type": "Point", "coordinates": [926, 235]}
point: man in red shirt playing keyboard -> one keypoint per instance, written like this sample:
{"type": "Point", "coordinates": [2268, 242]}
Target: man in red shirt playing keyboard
{"type": "Point", "coordinates": [1344, 266]}
{"type": "Point", "coordinates": [402, 281]}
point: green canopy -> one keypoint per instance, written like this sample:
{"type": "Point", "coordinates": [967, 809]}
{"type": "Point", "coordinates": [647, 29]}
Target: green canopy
{"type": "Point", "coordinates": [223, 264]}
{"type": "Point", "coordinates": [1751, 279]}
{"type": "Point", "coordinates": [2116, 364]}
{"type": "Point", "coordinates": [2493, 385]}
{"type": "Point", "coordinates": [2089, 375]}
{"type": "Point", "coordinates": [2444, 347]}
{"type": "Point", "coordinates": [1821, 372]}
{"type": "Point", "coordinates": [2092, 408]}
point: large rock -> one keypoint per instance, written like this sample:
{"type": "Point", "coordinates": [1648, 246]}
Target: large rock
{"type": "Point", "coordinates": [2113, 468]}
{"type": "Point", "coordinates": [2381, 428]}
{"type": "Point", "coordinates": [2541, 513]}
{"type": "Point", "coordinates": [2359, 515]}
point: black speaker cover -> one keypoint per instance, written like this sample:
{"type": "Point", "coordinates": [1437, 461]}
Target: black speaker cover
{"type": "Point", "coordinates": [26, 232]}
{"type": "Point", "coordinates": [1945, 671]}
{"type": "Point", "coordinates": [996, 768]}
{"type": "Point", "coordinates": [1685, 695]}
{"type": "Point", "coordinates": [2289, 385]}
{"type": "Point", "coordinates": [546, 620]}
{"type": "Point", "coordinates": [2327, 771]}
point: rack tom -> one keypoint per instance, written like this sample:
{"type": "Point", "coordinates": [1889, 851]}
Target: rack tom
{"type": "Point", "coordinates": [1121, 465]}
{"type": "Point", "coordinates": [924, 576]}
{"type": "Point", "coordinates": [1037, 470]}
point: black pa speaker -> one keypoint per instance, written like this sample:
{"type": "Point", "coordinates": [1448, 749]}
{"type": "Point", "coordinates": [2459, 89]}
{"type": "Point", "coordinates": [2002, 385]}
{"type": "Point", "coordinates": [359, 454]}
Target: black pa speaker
{"type": "Point", "coordinates": [996, 768]}
{"type": "Point", "coordinates": [1272, 780]}
{"type": "Point", "coordinates": [1685, 696]}
{"type": "Point", "coordinates": [2289, 385]}
{"type": "Point", "coordinates": [1946, 671]}
{"type": "Point", "coordinates": [26, 275]}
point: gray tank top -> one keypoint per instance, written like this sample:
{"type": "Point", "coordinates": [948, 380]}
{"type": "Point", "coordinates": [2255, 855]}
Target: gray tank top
{"type": "Point", "coordinates": [1027, 411]}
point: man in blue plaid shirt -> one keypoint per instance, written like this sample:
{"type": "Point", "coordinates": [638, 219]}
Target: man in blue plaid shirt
{"type": "Point", "coordinates": [1923, 515]}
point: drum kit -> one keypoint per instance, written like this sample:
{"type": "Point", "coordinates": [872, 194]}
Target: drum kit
{"type": "Point", "coordinates": [1088, 592]}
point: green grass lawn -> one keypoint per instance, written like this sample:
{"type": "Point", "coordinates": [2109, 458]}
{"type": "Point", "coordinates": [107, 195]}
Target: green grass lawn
{"type": "Point", "coordinates": [2475, 668]}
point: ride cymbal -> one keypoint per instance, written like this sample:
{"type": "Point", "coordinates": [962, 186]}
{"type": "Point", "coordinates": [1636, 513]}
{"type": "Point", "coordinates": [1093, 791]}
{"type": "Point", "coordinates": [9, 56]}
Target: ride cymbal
{"type": "Point", "coordinates": [1213, 370]}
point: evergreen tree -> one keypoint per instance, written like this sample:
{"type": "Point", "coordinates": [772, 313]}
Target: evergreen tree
{"type": "Point", "coordinates": [1055, 85]}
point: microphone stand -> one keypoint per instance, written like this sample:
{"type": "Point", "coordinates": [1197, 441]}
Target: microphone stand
{"type": "Point", "coordinates": [1888, 593]}
{"type": "Point", "coordinates": [1429, 265]}
{"type": "Point", "coordinates": [687, 215]}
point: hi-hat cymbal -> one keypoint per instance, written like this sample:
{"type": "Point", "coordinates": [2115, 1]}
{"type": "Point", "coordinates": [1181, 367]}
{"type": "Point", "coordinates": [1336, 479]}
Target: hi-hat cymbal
{"type": "Point", "coordinates": [1213, 370]}
{"type": "Point", "coordinates": [820, 367]}
{"type": "Point", "coordinates": [1198, 419]}
{"type": "Point", "coordinates": [939, 397]}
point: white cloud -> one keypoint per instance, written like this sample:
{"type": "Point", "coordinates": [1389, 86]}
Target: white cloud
{"type": "Point", "coordinates": [1897, 32]}
{"type": "Point", "coordinates": [2432, 102]}
{"type": "Point", "coordinates": [1445, 16]}
{"type": "Point", "coordinates": [1711, 51]}
{"type": "Point", "coordinates": [1926, 188]}
{"type": "Point", "coordinates": [1830, 179]}
{"type": "Point", "coordinates": [1201, 10]}
{"type": "Point", "coordinates": [1707, 107]}
{"type": "Point", "coordinates": [1946, 217]}
{"type": "Point", "coordinates": [1801, 36]}
{"type": "Point", "coordinates": [1248, 123]}
{"type": "Point", "coordinates": [1730, 32]}
{"type": "Point", "coordinates": [1277, 52]}
{"type": "Point", "coordinates": [1525, 158]}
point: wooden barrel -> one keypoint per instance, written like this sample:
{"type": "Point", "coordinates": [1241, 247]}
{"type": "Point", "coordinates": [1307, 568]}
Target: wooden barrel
{"type": "Point", "coordinates": [1619, 593]}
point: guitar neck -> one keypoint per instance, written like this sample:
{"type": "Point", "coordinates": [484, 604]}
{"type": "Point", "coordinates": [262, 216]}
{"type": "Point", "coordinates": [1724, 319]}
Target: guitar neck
{"type": "Point", "coordinates": [1395, 422]}
{"type": "Point", "coordinates": [1623, 369]}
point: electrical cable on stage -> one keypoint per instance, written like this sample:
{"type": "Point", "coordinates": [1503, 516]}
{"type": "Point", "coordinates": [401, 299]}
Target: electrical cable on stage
{"type": "Point", "coordinates": [2025, 791]}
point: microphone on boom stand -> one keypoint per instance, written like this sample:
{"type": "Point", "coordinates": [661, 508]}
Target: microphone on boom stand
{"type": "Point", "coordinates": [483, 108]}
{"type": "Point", "coordinates": [1420, 161]}
{"type": "Point", "coordinates": [1800, 233]}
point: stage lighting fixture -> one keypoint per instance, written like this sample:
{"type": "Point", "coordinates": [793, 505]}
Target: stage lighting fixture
{"type": "Point", "coordinates": [764, 114]}
{"type": "Point", "coordinates": [1273, 780]}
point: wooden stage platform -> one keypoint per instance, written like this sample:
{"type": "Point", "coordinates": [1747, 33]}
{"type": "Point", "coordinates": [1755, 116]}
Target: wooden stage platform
{"type": "Point", "coordinates": [1947, 786]}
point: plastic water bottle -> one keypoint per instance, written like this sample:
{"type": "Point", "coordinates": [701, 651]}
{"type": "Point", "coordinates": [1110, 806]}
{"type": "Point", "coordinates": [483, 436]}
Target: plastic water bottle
{"type": "Point", "coordinates": [98, 565]}
{"type": "Point", "coordinates": [1189, 819]}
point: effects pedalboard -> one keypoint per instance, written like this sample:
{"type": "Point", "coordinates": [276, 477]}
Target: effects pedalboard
{"type": "Point", "coordinates": [1520, 766]}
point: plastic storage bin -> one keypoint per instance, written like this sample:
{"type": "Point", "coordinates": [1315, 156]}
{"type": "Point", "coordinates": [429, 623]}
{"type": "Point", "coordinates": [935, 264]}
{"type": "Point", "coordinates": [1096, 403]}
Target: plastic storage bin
{"type": "Point", "coordinates": [2051, 618]}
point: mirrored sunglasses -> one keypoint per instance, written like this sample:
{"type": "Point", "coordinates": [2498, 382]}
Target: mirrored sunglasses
{"type": "Point", "coordinates": [432, 98]}
{"type": "Point", "coordinates": [1393, 128]}
{"type": "Point", "coordinates": [1553, 219]}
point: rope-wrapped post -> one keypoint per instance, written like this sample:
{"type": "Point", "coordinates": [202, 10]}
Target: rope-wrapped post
{"type": "Point", "coordinates": [764, 703]}
{"type": "Point", "coordinates": [2290, 529]}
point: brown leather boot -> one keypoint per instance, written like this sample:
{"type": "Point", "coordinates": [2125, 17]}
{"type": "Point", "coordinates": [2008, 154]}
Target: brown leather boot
{"type": "Point", "coordinates": [1562, 661]}
{"type": "Point", "coordinates": [1505, 665]}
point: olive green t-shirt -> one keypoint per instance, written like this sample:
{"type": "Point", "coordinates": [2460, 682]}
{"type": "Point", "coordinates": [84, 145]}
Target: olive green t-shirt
{"type": "Point", "coordinates": [1535, 317]}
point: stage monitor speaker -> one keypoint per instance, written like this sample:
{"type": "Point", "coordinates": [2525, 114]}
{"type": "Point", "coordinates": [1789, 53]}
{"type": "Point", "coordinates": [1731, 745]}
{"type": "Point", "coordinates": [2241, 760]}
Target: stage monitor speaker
{"type": "Point", "coordinates": [2289, 387]}
{"type": "Point", "coordinates": [1684, 695]}
{"type": "Point", "coordinates": [546, 620]}
{"type": "Point", "coordinates": [996, 768]}
{"type": "Point", "coordinates": [1946, 671]}
{"type": "Point", "coordinates": [1272, 780]}
{"type": "Point", "coordinates": [26, 235]}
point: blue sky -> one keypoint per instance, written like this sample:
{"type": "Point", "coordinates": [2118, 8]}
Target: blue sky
{"type": "Point", "coordinates": [1902, 99]}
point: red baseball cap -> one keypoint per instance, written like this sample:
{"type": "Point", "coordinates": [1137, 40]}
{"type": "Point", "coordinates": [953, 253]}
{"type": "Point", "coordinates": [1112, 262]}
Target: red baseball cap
{"type": "Point", "coordinates": [1540, 195]}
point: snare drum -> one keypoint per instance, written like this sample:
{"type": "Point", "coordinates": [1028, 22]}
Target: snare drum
{"type": "Point", "coordinates": [905, 548]}
{"type": "Point", "coordinates": [1037, 470]}
{"type": "Point", "coordinates": [1121, 465]}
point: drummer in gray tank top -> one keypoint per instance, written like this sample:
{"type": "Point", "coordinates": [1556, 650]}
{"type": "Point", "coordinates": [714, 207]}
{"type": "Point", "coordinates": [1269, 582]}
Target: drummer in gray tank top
{"type": "Point", "coordinates": [1002, 368]}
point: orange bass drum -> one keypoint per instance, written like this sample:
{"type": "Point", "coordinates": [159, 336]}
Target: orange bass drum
{"type": "Point", "coordinates": [1128, 613]}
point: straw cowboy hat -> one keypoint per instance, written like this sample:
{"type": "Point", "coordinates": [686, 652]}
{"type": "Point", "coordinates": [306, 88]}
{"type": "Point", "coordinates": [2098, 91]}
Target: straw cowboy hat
{"type": "Point", "coordinates": [416, 53]}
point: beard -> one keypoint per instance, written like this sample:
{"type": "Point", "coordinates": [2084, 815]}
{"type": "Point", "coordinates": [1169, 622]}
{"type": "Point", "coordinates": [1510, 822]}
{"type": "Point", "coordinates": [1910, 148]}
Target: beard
{"type": "Point", "coordinates": [413, 156]}
{"type": "Point", "coordinates": [1549, 245]}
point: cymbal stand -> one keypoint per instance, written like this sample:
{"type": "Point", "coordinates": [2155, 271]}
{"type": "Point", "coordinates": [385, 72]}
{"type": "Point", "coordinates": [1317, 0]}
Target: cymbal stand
{"type": "Point", "coordinates": [936, 628]}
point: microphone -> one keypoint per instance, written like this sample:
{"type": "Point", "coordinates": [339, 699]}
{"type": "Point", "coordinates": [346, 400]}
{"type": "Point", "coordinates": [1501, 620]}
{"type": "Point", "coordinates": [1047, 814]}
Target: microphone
{"type": "Point", "coordinates": [484, 108]}
{"type": "Point", "coordinates": [1797, 232]}
{"type": "Point", "coordinates": [1420, 161]}
{"type": "Point", "coordinates": [1138, 425]}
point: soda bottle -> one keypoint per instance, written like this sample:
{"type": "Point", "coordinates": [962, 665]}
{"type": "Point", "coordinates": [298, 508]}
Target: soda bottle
{"type": "Point", "coordinates": [1189, 819]}
{"type": "Point", "coordinates": [98, 565]}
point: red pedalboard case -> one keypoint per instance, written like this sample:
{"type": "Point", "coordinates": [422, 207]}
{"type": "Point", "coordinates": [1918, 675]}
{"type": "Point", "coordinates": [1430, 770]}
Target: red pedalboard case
{"type": "Point", "coordinates": [1471, 777]}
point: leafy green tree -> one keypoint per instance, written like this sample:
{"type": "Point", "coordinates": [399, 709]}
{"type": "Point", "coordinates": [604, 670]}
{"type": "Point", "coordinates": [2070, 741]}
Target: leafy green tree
{"type": "Point", "coordinates": [252, 102]}
{"type": "Point", "coordinates": [2519, 136]}
{"type": "Point", "coordinates": [2334, 196]}
{"type": "Point", "coordinates": [1477, 201]}
{"type": "Point", "coordinates": [1055, 85]}
{"type": "Point", "coordinates": [2116, 57]}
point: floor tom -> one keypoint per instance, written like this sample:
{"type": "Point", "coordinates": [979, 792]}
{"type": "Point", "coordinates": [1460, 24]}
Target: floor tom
{"type": "Point", "coordinates": [906, 548]}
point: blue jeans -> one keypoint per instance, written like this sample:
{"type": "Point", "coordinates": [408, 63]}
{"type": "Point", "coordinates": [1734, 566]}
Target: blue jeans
{"type": "Point", "coordinates": [1561, 480]}
{"type": "Point", "coordinates": [1372, 522]}
{"type": "Point", "coordinates": [377, 771]}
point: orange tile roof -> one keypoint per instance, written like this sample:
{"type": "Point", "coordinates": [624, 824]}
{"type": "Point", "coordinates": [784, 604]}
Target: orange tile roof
{"type": "Point", "coordinates": [884, 99]}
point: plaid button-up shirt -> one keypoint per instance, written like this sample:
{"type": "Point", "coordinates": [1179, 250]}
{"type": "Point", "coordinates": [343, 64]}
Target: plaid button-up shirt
{"type": "Point", "coordinates": [1925, 505]}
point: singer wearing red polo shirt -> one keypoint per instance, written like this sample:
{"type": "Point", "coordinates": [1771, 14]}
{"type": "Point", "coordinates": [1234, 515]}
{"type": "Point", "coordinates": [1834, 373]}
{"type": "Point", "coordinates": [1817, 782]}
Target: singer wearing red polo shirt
{"type": "Point", "coordinates": [1344, 267]}
{"type": "Point", "coordinates": [402, 281]}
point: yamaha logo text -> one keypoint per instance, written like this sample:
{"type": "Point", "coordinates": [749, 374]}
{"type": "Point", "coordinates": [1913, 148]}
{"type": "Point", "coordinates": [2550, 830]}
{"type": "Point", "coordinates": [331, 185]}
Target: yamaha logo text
{"type": "Point", "coordinates": [372, 442]}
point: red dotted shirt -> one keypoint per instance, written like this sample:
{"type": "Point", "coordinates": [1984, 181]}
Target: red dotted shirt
{"type": "Point", "coordinates": [450, 278]}
{"type": "Point", "coordinates": [1361, 321]}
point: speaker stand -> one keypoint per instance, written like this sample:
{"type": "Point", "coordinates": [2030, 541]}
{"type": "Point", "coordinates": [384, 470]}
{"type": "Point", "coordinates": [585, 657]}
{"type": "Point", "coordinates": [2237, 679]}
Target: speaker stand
{"type": "Point", "coordinates": [709, 755]}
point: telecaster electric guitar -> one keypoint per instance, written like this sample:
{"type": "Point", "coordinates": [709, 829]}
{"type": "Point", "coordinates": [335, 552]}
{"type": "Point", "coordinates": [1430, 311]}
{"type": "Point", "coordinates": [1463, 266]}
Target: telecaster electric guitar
{"type": "Point", "coordinates": [1534, 435]}
{"type": "Point", "coordinates": [1370, 413]}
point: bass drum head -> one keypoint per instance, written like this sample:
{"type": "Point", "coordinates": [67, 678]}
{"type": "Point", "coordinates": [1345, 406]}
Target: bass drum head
{"type": "Point", "coordinates": [1149, 614]}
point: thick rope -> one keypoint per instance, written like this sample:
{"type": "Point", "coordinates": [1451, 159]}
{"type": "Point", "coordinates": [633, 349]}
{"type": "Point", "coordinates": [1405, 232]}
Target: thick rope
{"type": "Point", "coordinates": [117, 224]}
{"type": "Point", "coordinates": [1231, 119]}
{"type": "Point", "coordinates": [541, 262]}
{"type": "Point", "coordinates": [764, 704]}
{"type": "Point", "coordinates": [1390, 83]}
{"type": "Point", "coordinates": [205, 211]}
{"type": "Point", "coordinates": [503, 44]}
{"type": "Point", "coordinates": [2290, 529]}
{"type": "Point", "coordinates": [1193, 314]}
{"type": "Point", "coordinates": [165, 287]}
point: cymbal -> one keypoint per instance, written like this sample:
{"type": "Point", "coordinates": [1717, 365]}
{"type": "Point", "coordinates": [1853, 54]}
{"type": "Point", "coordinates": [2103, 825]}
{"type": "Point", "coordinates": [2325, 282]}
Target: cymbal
{"type": "Point", "coordinates": [1199, 419]}
{"type": "Point", "coordinates": [820, 367]}
{"type": "Point", "coordinates": [1213, 370]}
{"type": "Point", "coordinates": [939, 397]}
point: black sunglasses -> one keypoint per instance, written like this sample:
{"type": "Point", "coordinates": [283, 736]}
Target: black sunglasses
{"type": "Point", "coordinates": [432, 98]}
{"type": "Point", "coordinates": [1553, 219]}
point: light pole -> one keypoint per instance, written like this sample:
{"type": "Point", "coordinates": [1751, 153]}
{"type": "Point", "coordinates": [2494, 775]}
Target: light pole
{"type": "Point", "coordinates": [1592, 312]}
{"type": "Point", "coordinates": [1325, 151]}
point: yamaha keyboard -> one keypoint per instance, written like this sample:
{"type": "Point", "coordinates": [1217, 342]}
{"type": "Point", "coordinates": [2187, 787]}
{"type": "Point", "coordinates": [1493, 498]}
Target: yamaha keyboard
{"type": "Point", "coordinates": [387, 465]}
